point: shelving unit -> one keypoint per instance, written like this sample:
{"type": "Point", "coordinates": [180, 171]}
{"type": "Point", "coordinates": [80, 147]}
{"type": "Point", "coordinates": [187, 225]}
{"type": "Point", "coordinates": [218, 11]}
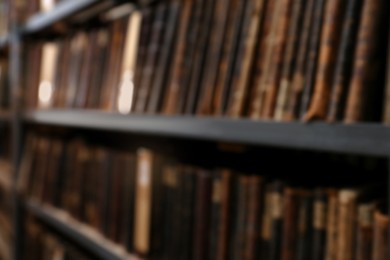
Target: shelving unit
{"type": "Point", "coordinates": [361, 139]}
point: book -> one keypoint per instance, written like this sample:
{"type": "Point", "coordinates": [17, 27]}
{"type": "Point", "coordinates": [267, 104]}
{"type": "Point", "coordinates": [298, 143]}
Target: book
{"type": "Point", "coordinates": [380, 236]}
{"type": "Point", "coordinates": [364, 237]}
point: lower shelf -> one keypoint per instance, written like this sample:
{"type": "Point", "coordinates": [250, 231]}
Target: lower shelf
{"type": "Point", "coordinates": [79, 233]}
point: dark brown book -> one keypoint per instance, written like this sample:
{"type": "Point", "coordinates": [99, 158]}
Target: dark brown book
{"type": "Point", "coordinates": [266, 223]}
{"type": "Point", "coordinates": [255, 102]}
{"type": "Point", "coordinates": [291, 110]}
{"type": "Point", "coordinates": [158, 30]}
{"type": "Point", "coordinates": [320, 207]}
{"type": "Point", "coordinates": [273, 73]}
{"type": "Point", "coordinates": [27, 164]}
{"type": "Point", "coordinates": [109, 91]}
{"type": "Point", "coordinates": [32, 83]}
{"type": "Point", "coordinates": [305, 227]}
{"type": "Point", "coordinates": [329, 44]}
{"type": "Point", "coordinates": [253, 14]}
{"type": "Point", "coordinates": [346, 223]}
{"type": "Point", "coordinates": [344, 61]}
{"type": "Point", "coordinates": [381, 236]}
{"type": "Point", "coordinates": [163, 67]}
{"type": "Point", "coordinates": [313, 56]}
{"type": "Point", "coordinates": [291, 200]}
{"type": "Point", "coordinates": [364, 236]}
{"type": "Point", "coordinates": [331, 225]}
{"type": "Point", "coordinates": [100, 56]}
{"type": "Point", "coordinates": [367, 62]}
{"type": "Point", "coordinates": [218, 28]}
{"type": "Point", "coordinates": [62, 72]}
{"type": "Point", "coordinates": [202, 215]}
{"type": "Point", "coordinates": [290, 57]}
{"type": "Point", "coordinates": [252, 236]}
{"type": "Point", "coordinates": [40, 170]}
{"type": "Point", "coordinates": [199, 57]}
{"type": "Point", "coordinates": [179, 68]}
{"type": "Point", "coordinates": [226, 64]}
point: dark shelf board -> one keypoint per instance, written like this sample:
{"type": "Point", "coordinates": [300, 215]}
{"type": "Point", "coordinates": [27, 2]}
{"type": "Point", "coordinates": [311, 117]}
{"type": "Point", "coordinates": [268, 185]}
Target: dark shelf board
{"type": "Point", "coordinates": [363, 139]}
{"type": "Point", "coordinates": [62, 11]}
{"type": "Point", "coordinates": [76, 232]}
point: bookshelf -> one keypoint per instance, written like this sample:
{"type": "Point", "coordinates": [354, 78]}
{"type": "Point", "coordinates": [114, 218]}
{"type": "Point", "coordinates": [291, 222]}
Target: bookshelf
{"type": "Point", "coordinates": [368, 139]}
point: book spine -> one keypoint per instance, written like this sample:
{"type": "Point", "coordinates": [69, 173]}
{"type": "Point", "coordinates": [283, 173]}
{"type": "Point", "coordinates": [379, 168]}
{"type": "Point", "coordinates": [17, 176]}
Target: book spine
{"type": "Point", "coordinates": [305, 229]}
{"type": "Point", "coordinates": [276, 216]}
{"type": "Point", "coordinates": [364, 70]}
{"type": "Point", "coordinates": [179, 60]}
{"type": "Point", "coordinates": [331, 226]}
{"type": "Point", "coordinates": [311, 68]}
{"type": "Point", "coordinates": [342, 72]}
{"type": "Point", "coordinates": [364, 237]}
{"type": "Point", "coordinates": [381, 236]}
{"type": "Point", "coordinates": [289, 61]}
{"type": "Point", "coordinates": [215, 217]}
{"type": "Point", "coordinates": [320, 208]}
{"type": "Point", "coordinates": [329, 43]}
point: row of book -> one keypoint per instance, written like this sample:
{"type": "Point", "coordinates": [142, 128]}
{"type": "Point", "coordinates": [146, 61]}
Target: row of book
{"type": "Point", "coordinates": [40, 244]}
{"type": "Point", "coordinates": [156, 207]}
{"type": "Point", "coordinates": [282, 60]}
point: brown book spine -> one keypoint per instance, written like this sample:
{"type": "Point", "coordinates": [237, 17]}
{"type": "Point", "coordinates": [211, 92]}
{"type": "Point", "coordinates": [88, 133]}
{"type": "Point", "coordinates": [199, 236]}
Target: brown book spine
{"type": "Point", "coordinates": [226, 64]}
{"type": "Point", "coordinates": [163, 66]}
{"type": "Point", "coordinates": [199, 58]}
{"type": "Point", "coordinates": [331, 225]}
{"type": "Point", "coordinates": [346, 219]}
{"type": "Point", "coordinates": [305, 227]}
{"type": "Point", "coordinates": [265, 230]}
{"type": "Point", "coordinates": [152, 56]}
{"type": "Point", "coordinates": [289, 61]}
{"type": "Point", "coordinates": [365, 65]}
{"type": "Point", "coordinates": [290, 111]}
{"type": "Point", "coordinates": [320, 205]}
{"type": "Point", "coordinates": [311, 68]}
{"type": "Point", "coordinates": [342, 73]}
{"type": "Point", "coordinates": [330, 39]}
{"type": "Point", "coordinates": [245, 57]}
{"type": "Point", "coordinates": [272, 78]}
{"type": "Point", "coordinates": [364, 237]}
{"type": "Point", "coordinates": [34, 56]}
{"type": "Point", "coordinates": [290, 223]}
{"type": "Point", "coordinates": [202, 214]}
{"type": "Point", "coordinates": [381, 236]}
{"type": "Point", "coordinates": [62, 78]}
{"type": "Point", "coordinates": [219, 25]}
{"type": "Point", "coordinates": [276, 220]}
{"type": "Point", "coordinates": [179, 60]}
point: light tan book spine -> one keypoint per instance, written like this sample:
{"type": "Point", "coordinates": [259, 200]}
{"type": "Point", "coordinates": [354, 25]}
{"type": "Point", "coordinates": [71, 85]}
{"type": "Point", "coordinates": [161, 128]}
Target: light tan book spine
{"type": "Point", "coordinates": [46, 82]}
{"type": "Point", "coordinates": [143, 201]}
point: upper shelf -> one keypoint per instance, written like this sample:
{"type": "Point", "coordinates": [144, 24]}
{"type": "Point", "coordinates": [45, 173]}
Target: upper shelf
{"type": "Point", "coordinates": [363, 139]}
{"type": "Point", "coordinates": [62, 11]}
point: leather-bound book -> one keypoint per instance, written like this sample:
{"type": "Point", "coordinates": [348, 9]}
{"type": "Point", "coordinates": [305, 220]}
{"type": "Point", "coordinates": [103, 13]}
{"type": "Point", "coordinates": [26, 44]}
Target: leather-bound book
{"type": "Point", "coordinates": [171, 188]}
{"type": "Point", "coordinates": [320, 207]}
{"type": "Point", "coordinates": [367, 62]}
{"type": "Point", "coordinates": [252, 235]}
{"type": "Point", "coordinates": [187, 215]}
{"type": "Point", "coordinates": [305, 227]}
{"type": "Point", "coordinates": [43, 150]}
{"type": "Point", "coordinates": [157, 32]}
{"type": "Point", "coordinates": [344, 61]}
{"type": "Point", "coordinates": [229, 51]}
{"type": "Point", "coordinates": [273, 73]}
{"type": "Point", "coordinates": [364, 236]}
{"type": "Point", "coordinates": [329, 44]}
{"type": "Point", "coordinates": [63, 67]}
{"type": "Point", "coordinates": [143, 202]}
{"type": "Point", "coordinates": [109, 90]}
{"type": "Point", "coordinates": [70, 166]}
{"type": "Point", "coordinates": [346, 223]}
{"type": "Point", "coordinates": [199, 58]}
{"type": "Point", "coordinates": [27, 164]}
{"type": "Point", "coordinates": [290, 57]}
{"type": "Point", "coordinates": [276, 221]}
{"type": "Point", "coordinates": [164, 68]}
{"type": "Point", "coordinates": [291, 109]}
{"type": "Point", "coordinates": [218, 28]}
{"type": "Point", "coordinates": [265, 230]}
{"type": "Point", "coordinates": [100, 56]}
{"type": "Point", "coordinates": [125, 96]}
{"type": "Point", "coordinates": [179, 60]}
{"type": "Point", "coordinates": [381, 236]}
{"type": "Point", "coordinates": [240, 218]}
{"type": "Point", "coordinates": [251, 24]}
{"type": "Point", "coordinates": [313, 56]}
{"type": "Point", "coordinates": [32, 83]}
{"type": "Point", "coordinates": [128, 186]}
{"type": "Point", "coordinates": [143, 43]}
{"type": "Point", "coordinates": [291, 200]}
{"type": "Point", "coordinates": [202, 215]}
{"type": "Point", "coordinates": [77, 49]}
{"type": "Point", "coordinates": [332, 225]}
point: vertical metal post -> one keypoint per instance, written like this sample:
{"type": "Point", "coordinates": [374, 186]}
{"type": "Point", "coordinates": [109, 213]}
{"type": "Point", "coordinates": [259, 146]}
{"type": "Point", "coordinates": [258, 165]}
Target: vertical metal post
{"type": "Point", "coordinates": [15, 97]}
